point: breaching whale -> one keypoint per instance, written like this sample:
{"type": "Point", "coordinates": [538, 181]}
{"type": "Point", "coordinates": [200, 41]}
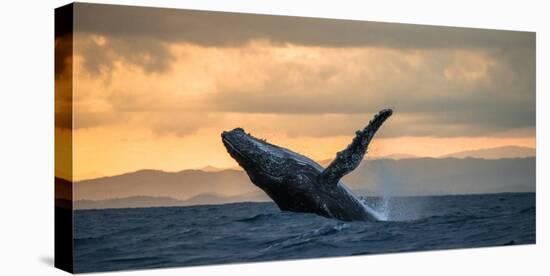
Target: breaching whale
{"type": "Point", "coordinates": [298, 184]}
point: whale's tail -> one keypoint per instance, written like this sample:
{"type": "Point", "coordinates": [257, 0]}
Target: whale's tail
{"type": "Point", "coordinates": [349, 158]}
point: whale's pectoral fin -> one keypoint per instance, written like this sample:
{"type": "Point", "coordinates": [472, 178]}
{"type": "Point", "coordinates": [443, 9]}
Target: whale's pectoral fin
{"type": "Point", "coordinates": [348, 159]}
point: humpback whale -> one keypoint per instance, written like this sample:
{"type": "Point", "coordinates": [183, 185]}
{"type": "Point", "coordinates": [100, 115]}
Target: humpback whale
{"type": "Point", "coordinates": [298, 184]}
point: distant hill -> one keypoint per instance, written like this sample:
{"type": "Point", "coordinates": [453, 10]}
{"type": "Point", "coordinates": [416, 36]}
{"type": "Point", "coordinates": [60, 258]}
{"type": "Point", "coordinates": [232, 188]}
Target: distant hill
{"type": "Point", "coordinates": [397, 156]}
{"type": "Point", "coordinates": [151, 201]}
{"type": "Point", "coordinates": [128, 202]}
{"type": "Point", "coordinates": [440, 176]}
{"type": "Point", "coordinates": [211, 169]}
{"type": "Point", "coordinates": [179, 185]}
{"type": "Point", "coordinates": [495, 153]}
{"type": "Point", "coordinates": [413, 176]}
{"type": "Point", "coordinates": [257, 196]}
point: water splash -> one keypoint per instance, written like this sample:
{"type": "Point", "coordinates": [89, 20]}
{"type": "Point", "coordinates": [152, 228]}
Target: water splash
{"type": "Point", "coordinates": [388, 208]}
{"type": "Point", "coordinates": [380, 209]}
{"type": "Point", "coordinates": [377, 214]}
{"type": "Point", "coordinates": [385, 208]}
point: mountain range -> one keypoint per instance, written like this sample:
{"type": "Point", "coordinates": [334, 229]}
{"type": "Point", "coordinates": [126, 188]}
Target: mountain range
{"type": "Point", "coordinates": [495, 153]}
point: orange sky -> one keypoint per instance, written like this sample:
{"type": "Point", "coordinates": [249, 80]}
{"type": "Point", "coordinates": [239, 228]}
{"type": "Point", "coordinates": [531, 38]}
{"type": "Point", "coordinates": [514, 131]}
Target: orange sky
{"type": "Point", "coordinates": [108, 152]}
{"type": "Point", "coordinates": [142, 102]}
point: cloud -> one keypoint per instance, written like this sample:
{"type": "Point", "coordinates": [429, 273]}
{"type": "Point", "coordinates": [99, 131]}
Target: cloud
{"type": "Point", "coordinates": [100, 53]}
{"type": "Point", "coordinates": [450, 87]}
{"type": "Point", "coordinates": [179, 124]}
{"type": "Point", "coordinates": [303, 90]}
{"type": "Point", "coordinates": [63, 82]}
{"type": "Point", "coordinates": [142, 35]}
{"type": "Point", "coordinates": [236, 29]}
{"type": "Point", "coordinates": [63, 55]}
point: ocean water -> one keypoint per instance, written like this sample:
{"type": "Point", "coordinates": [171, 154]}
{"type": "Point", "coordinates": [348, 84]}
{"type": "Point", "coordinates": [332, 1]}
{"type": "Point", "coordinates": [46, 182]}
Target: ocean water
{"type": "Point", "coordinates": [118, 239]}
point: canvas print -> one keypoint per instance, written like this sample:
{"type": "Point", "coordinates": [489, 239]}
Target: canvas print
{"type": "Point", "coordinates": [189, 138]}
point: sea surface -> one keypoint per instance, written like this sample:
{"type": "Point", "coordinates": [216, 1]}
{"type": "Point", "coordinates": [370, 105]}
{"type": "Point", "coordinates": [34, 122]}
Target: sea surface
{"type": "Point", "coordinates": [119, 239]}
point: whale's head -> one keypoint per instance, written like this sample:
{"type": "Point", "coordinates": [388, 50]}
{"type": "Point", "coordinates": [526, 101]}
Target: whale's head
{"type": "Point", "coordinates": [256, 156]}
{"type": "Point", "coordinates": [269, 167]}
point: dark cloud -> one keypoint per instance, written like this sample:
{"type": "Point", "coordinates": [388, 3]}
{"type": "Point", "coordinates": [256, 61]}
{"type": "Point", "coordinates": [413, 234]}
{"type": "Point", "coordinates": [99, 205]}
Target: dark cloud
{"type": "Point", "coordinates": [63, 120]}
{"type": "Point", "coordinates": [63, 76]}
{"type": "Point", "coordinates": [63, 55]}
{"type": "Point", "coordinates": [234, 29]}
{"type": "Point", "coordinates": [140, 34]}
{"type": "Point", "coordinates": [149, 55]}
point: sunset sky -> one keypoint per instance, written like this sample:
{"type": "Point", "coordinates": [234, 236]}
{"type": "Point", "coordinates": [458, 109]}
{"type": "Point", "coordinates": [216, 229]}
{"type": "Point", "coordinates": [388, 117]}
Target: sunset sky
{"type": "Point", "coordinates": [154, 88]}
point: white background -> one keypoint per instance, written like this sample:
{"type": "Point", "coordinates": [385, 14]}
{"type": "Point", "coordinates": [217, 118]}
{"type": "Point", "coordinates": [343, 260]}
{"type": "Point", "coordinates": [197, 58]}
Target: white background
{"type": "Point", "coordinates": [26, 133]}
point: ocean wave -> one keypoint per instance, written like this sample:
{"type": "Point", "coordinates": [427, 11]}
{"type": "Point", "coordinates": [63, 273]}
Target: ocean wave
{"type": "Point", "coordinates": [307, 237]}
{"type": "Point", "coordinates": [105, 240]}
{"type": "Point", "coordinates": [528, 210]}
{"type": "Point", "coordinates": [134, 259]}
{"type": "Point", "coordinates": [257, 218]}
